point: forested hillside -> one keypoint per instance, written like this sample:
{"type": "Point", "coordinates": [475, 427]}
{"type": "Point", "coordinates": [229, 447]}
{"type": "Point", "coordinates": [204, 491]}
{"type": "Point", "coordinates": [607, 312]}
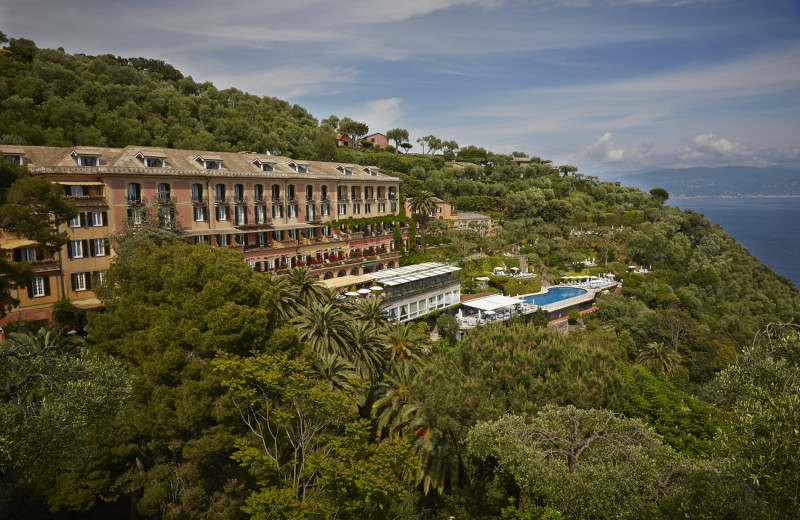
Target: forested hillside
{"type": "Point", "coordinates": [205, 389]}
{"type": "Point", "coordinates": [49, 97]}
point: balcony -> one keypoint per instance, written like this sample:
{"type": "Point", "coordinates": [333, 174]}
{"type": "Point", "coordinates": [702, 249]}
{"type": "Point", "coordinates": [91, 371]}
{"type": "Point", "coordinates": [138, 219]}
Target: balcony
{"type": "Point", "coordinates": [87, 200]}
{"type": "Point", "coordinates": [277, 200]}
{"type": "Point", "coordinates": [133, 201]}
{"type": "Point", "coordinates": [163, 199]}
{"type": "Point", "coordinates": [44, 265]}
{"type": "Point", "coordinates": [240, 200]}
{"type": "Point", "coordinates": [258, 199]}
{"type": "Point", "coordinates": [222, 200]}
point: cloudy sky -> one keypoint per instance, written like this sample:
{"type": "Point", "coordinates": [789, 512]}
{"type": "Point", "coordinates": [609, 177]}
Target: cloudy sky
{"type": "Point", "coordinates": [606, 85]}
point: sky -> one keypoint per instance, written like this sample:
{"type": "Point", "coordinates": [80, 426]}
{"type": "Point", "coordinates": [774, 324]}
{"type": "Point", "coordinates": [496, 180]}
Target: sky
{"type": "Point", "coordinates": [604, 85]}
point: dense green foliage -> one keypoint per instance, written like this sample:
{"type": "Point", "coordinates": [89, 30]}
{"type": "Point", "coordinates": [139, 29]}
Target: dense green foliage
{"type": "Point", "coordinates": [53, 98]}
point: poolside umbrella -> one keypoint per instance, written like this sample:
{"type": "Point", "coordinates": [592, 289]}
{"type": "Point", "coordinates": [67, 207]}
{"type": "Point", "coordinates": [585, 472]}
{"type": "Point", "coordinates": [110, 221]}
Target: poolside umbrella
{"type": "Point", "coordinates": [376, 288]}
{"type": "Point", "coordinates": [351, 293]}
{"type": "Point", "coordinates": [364, 291]}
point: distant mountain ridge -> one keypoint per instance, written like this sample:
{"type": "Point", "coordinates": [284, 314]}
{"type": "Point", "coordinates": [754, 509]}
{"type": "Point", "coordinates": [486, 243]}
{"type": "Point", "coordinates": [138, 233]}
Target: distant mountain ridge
{"type": "Point", "coordinates": [725, 181]}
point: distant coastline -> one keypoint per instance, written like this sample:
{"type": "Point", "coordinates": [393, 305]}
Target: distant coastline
{"type": "Point", "coordinates": [743, 196]}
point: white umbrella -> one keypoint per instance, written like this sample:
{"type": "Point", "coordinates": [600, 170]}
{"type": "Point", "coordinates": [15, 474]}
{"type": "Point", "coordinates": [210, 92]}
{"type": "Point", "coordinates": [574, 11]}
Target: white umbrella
{"type": "Point", "coordinates": [489, 312]}
{"type": "Point", "coordinates": [364, 291]}
{"type": "Point", "coordinates": [351, 293]}
{"type": "Point", "coordinates": [376, 288]}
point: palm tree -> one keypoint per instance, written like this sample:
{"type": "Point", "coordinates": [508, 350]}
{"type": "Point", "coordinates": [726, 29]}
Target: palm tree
{"type": "Point", "coordinates": [44, 342]}
{"type": "Point", "coordinates": [298, 289]}
{"type": "Point", "coordinates": [396, 409]}
{"type": "Point", "coordinates": [423, 206]}
{"type": "Point", "coordinates": [363, 347]}
{"type": "Point", "coordinates": [371, 310]}
{"type": "Point", "coordinates": [658, 357]}
{"type": "Point", "coordinates": [405, 342]}
{"type": "Point", "coordinates": [306, 286]}
{"type": "Point", "coordinates": [320, 325]}
{"type": "Point", "coordinates": [336, 371]}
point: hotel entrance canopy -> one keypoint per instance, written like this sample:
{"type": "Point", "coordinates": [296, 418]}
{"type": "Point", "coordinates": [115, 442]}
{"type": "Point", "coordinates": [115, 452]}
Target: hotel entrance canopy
{"type": "Point", "coordinates": [492, 303]}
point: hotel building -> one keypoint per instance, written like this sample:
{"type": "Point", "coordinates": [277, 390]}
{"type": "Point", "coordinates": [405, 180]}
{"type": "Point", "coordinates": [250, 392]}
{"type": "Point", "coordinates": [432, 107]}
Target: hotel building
{"type": "Point", "coordinates": [277, 211]}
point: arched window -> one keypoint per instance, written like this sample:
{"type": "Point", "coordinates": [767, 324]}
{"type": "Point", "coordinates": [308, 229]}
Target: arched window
{"type": "Point", "coordinates": [341, 273]}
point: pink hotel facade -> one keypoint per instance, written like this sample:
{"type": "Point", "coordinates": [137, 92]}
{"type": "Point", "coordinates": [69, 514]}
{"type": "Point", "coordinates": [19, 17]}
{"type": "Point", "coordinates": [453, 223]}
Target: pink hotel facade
{"type": "Point", "coordinates": [276, 211]}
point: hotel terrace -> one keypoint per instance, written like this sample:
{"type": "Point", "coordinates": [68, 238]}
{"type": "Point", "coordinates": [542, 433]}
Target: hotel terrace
{"type": "Point", "coordinates": [275, 210]}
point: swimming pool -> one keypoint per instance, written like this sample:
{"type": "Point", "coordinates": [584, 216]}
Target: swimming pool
{"type": "Point", "coordinates": [553, 295]}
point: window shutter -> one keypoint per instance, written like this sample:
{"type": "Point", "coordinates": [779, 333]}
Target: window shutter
{"type": "Point", "coordinates": [205, 213]}
{"type": "Point", "coordinates": [85, 246]}
{"type": "Point", "coordinates": [17, 255]}
{"type": "Point", "coordinates": [30, 289]}
{"type": "Point", "coordinates": [83, 219]}
{"type": "Point", "coordinates": [46, 285]}
{"type": "Point", "coordinates": [74, 279]}
{"type": "Point", "coordinates": [69, 249]}
{"type": "Point", "coordinates": [92, 251]}
{"type": "Point", "coordinates": [245, 214]}
{"type": "Point", "coordinates": [172, 215]}
{"type": "Point", "coordinates": [85, 190]}
{"type": "Point", "coordinates": [88, 278]}
{"type": "Point", "coordinates": [105, 218]}
{"type": "Point", "coordinates": [227, 212]}
{"type": "Point", "coordinates": [106, 244]}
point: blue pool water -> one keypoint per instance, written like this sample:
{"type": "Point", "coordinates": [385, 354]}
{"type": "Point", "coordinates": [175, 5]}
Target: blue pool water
{"type": "Point", "coordinates": [554, 294]}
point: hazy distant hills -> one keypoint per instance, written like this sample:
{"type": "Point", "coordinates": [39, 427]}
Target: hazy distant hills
{"type": "Point", "coordinates": [727, 181]}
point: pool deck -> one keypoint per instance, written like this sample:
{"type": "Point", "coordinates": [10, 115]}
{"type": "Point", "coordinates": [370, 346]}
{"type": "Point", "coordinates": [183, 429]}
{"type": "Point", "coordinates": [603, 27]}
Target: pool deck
{"type": "Point", "coordinates": [471, 321]}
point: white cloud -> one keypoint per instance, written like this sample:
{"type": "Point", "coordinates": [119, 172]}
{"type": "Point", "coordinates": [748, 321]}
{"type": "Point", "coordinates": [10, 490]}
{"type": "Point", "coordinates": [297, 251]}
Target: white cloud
{"type": "Point", "coordinates": [379, 114]}
{"type": "Point", "coordinates": [710, 146]}
{"type": "Point", "coordinates": [284, 82]}
{"type": "Point", "coordinates": [605, 151]}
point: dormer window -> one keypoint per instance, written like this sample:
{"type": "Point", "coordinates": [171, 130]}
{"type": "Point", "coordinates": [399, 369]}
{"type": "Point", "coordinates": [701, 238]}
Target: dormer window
{"type": "Point", "coordinates": [372, 171]}
{"type": "Point", "coordinates": [265, 166]}
{"type": "Point", "coordinates": [13, 155]}
{"type": "Point", "coordinates": [347, 170]}
{"type": "Point", "coordinates": [299, 167]}
{"type": "Point", "coordinates": [86, 159]}
{"type": "Point", "coordinates": [210, 162]}
{"type": "Point", "coordinates": [152, 158]}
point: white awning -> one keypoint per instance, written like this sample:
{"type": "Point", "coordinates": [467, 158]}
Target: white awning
{"type": "Point", "coordinates": [80, 183]}
{"type": "Point", "coordinates": [18, 242]}
{"type": "Point", "coordinates": [491, 303]}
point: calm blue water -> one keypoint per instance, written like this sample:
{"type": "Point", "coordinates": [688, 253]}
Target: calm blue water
{"type": "Point", "coordinates": [769, 227]}
{"type": "Point", "coordinates": [554, 294]}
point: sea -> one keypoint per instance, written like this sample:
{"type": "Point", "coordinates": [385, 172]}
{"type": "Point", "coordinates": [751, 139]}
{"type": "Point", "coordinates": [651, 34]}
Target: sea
{"type": "Point", "coordinates": [769, 227]}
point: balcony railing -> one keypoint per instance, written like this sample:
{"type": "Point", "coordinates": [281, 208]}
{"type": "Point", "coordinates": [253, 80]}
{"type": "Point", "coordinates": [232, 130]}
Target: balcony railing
{"type": "Point", "coordinates": [198, 201]}
{"type": "Point", "coordinates": [222, 200]}
{"type": "Point", "coordinates": [240, 200]}
{"type": "Point", "coordinates": [164, 199]}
